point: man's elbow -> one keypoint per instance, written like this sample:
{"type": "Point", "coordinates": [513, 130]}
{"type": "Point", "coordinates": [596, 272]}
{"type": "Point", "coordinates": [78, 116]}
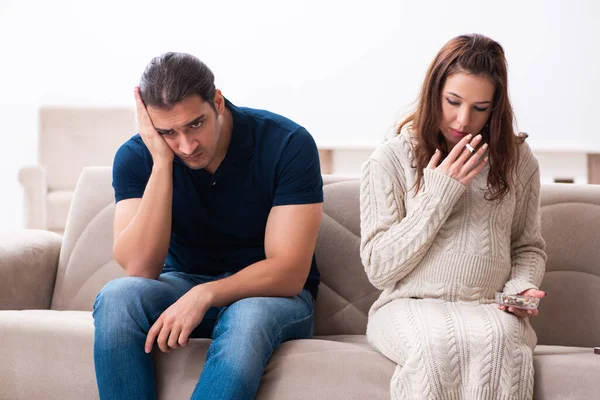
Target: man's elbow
{"type": "Point", "coordinates": [138, 273]}
{"type": "Point", "coordinates": [294, 286]}
{"type": "Point", "coordinates": [137, 269]}
{"type": "Point", "coordinates": [295, 289]}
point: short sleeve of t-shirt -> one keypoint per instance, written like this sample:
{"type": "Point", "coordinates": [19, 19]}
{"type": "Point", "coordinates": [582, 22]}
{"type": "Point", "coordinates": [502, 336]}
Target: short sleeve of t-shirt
{"type": "Point", "coordinates": [298, 178]}
{"type": "Point", "coordinates": [132, 167]}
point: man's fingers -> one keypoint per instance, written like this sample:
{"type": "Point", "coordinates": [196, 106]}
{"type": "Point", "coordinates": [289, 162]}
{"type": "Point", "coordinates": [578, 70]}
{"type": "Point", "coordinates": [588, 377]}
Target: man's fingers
{"type": "Point", "coordinates": [142, 113]}
{"type": "Point", "coordinates": [184, 337]}
{"type": "Point", "coordinates": [173, 341]}
{"type": "Point", "coordinates": [139, 103]}
{"type": "Point", "coordinates": [162, 338]}
{"type": "Point", "coordinates": [435, 159]}
{"type": "Point", "coordinates": [152, 333]}
{"type": "Point", "coordinates": [136, 93]}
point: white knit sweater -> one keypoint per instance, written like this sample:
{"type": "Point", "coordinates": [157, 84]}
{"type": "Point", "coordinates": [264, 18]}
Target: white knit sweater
{"type": "Point", "coordinates": [448, 245]}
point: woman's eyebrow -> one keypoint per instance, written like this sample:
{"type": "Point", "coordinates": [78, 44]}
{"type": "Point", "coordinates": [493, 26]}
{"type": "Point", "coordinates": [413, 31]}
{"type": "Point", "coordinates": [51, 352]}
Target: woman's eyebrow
{"type": "Point", "coordinates": [477, 102]}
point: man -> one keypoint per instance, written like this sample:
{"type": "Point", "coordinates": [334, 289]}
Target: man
{"type": "Point", "coordinates": [217, 213]}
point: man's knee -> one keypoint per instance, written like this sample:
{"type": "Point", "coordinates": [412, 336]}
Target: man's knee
{"type": "Point", "coordinates": [247, 331]}
{"type": "Point", "coordinates": [250, 317]}
{"type": "Point", "coordinates": [119, 291]}
{"type": "Point", "coordinates": [125, 296]}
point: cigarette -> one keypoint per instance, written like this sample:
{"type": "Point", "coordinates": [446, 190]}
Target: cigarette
{"type": "Point", "coordinates": [469, 147]}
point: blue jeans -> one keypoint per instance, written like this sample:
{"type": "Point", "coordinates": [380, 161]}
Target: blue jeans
{"type": "Point", "coordinates": [244, 335]}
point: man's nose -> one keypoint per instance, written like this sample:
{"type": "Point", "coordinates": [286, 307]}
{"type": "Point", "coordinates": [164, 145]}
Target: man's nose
{"type": "Point", "coordinates": [187, 145]}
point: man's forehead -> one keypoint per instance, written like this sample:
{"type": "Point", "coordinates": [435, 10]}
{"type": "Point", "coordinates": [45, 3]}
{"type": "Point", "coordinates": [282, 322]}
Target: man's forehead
{"type": "Point", "coordinates": [177, 117]}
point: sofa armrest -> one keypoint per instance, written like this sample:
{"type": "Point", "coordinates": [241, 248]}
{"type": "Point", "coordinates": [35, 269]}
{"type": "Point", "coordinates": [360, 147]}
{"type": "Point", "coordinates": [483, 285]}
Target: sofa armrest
{"type": "Point", "coordinates": [28, 264]}
{"type": "Point", "coordinates": [35, 185]}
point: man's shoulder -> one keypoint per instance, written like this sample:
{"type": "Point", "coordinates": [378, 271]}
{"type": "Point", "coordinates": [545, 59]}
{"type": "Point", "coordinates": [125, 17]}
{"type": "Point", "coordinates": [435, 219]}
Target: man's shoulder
{"type": "Point", "coordinates": [271, 120]}
{"type": "Point", "coordinates": [133, 155]}
{"type": "Point", "coordinates": [273, 130]}
{"type": "Point", "coordinates": [134, 147]}
{"type": "Point", "coordinates": [274, 133]}
{"type": "Point", "coordinates": [134, 143]}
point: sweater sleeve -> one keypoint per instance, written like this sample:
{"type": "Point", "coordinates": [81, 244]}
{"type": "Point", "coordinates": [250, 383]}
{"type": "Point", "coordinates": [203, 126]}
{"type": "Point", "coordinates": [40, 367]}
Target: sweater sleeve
{"type": "Point", "coordinates": [392, 242]}
{"type": "Point", "coordinates": [528, 257]}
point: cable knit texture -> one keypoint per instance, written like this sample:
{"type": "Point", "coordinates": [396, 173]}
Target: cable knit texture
{"type": "Point", "coordinates": [440, 256]}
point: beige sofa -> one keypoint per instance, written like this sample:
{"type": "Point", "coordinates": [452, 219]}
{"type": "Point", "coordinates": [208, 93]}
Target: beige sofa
{"type": "Point", "coordinates": [46, 348]}
{"type": "Point", "coordinates": [70, 138]}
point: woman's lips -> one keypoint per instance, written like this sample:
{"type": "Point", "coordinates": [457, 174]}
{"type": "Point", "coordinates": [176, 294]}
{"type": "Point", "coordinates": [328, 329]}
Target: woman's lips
{"type": "Point", "coordinates": [457, 133]}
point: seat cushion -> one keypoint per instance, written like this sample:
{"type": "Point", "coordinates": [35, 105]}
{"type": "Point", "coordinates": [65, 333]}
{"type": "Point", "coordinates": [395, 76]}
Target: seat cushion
{"type": "Point", "coordinates": [566, 373]}
{"type": "Point", "coordinates": [49, 355]}
{"type": "Point", "coordinates": [326, 369]}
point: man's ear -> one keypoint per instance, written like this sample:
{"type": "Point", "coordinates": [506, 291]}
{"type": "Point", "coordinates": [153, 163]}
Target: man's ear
{"type": "Point", "coordinates": [219, 101]}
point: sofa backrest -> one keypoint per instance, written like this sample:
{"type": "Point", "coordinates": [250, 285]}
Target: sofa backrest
{"type": "Point", "coordinates": [74, 137]}
{"type": "Point", "coordinates": [86, 260]}
{"type": "Point", "coordinates": [570, 315]}
{"type": "Point", "coordinates": [570, 217]}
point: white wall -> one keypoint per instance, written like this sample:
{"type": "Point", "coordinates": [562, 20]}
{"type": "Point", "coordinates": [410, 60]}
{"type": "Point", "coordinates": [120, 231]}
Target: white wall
{"type": "Point", "coordinates": [346, 70]}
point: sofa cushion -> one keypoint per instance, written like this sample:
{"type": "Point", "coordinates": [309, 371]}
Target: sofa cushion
{"type": "Point", "coordinates": [564, 374]}
{"type": "Point", "coordinates": [345, 293]}
{"type": "Point", "coordinates": [58, 346]}
{"type": "Point", "coordinates": [86, 261]}
{"type": "Point", "coordinates": [87, 264]}
{"type": "Point", "coordinates": [46, 355]}
{"type": "Point", "coordinates": [570, 315]}
{"type": "Point", "coordinates": [570, 215]}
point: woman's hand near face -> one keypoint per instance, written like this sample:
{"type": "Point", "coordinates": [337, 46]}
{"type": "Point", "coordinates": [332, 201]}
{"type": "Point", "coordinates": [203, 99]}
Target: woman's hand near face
{"type": "Point", "coordinates": [461, 164]}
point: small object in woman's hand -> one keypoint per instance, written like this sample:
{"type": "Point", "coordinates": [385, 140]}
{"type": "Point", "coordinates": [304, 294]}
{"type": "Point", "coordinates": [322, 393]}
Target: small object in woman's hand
{"type": "Point", "coordinates": [517, 301]}
{"type": "Point", "coordinates": [469, 147]}
{"type": "Point", "coordinates": [596, 350]}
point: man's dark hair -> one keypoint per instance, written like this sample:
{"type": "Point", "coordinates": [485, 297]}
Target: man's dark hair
{"type": "Point", "coordinates": [171, 77]}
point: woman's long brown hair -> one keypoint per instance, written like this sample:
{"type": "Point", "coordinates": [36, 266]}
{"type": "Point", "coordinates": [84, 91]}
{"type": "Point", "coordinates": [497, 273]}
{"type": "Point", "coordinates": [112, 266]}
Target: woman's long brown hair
{"type": "Point", "coordinates": [481, 56]}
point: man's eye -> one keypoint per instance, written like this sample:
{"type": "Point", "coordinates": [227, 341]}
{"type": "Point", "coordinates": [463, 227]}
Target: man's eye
{"type": "Point", "coordinates": [196, 125]}
{"type": "Point", "coordinates": [453, 103]}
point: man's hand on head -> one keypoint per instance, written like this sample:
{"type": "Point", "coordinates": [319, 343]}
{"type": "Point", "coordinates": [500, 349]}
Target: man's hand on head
{"type": "Point", "coordinates": [172, 329]}
{"type": "Point", "coordinates": [156, 144]}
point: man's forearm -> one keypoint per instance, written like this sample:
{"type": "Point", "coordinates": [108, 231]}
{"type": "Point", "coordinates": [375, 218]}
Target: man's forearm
{"type": "Point", "coordinates": [142, 246]}
{"type": "Point", "coordinates": [266, 278]}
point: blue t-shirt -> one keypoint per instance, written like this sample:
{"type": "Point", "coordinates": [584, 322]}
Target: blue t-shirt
{"type": "Point", "coordinates": [219, 221]}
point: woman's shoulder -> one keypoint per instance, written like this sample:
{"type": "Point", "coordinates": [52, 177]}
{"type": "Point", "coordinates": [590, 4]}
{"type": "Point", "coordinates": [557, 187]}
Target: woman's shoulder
{"type": "Point", "coordinates": [527, 163]}
{"type": "Point", "coordinates": [395, 150]}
